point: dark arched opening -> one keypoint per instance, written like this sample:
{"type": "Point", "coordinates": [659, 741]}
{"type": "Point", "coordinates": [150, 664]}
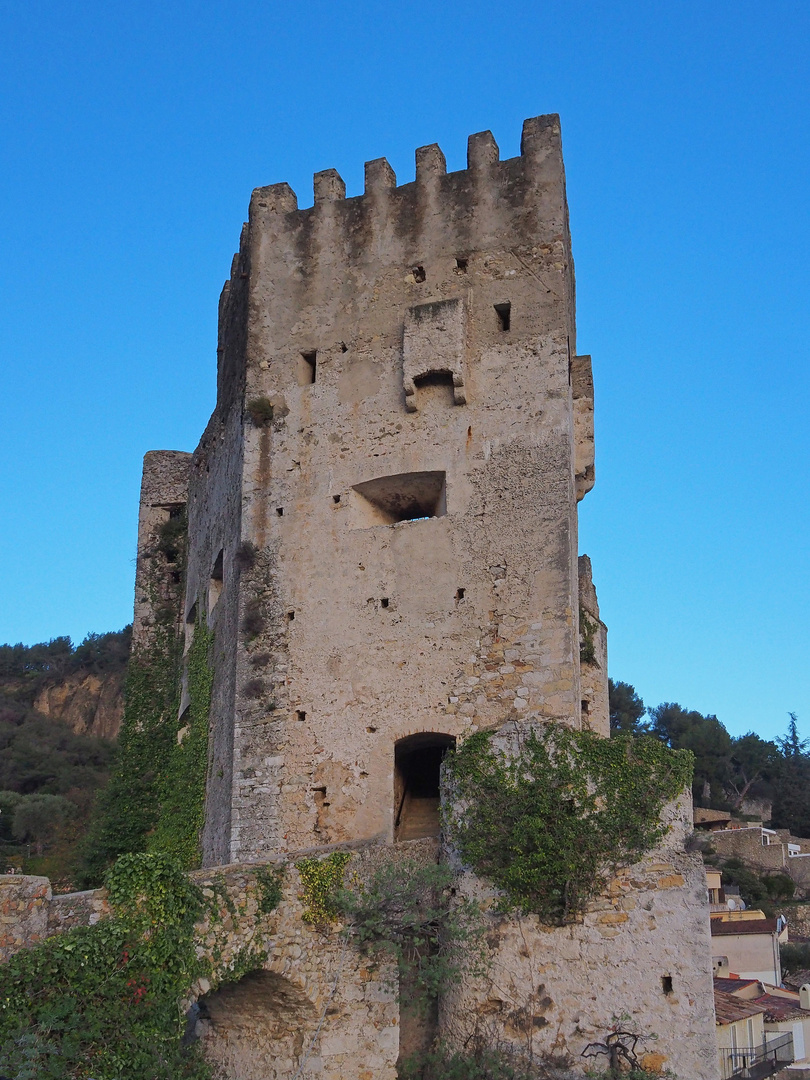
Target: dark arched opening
{"type": "Point", "coordinates": [259, 1028]}
{"type": "Point", "coordinates": [417, 774]}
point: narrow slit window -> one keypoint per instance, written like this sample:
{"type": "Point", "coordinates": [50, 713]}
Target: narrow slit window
{"type": "Point", "coordinates": [307, 367]}
{"type": "Point", "coordinates": [504, 314]}
{"type": "Point", "coordinates": [666, 984]}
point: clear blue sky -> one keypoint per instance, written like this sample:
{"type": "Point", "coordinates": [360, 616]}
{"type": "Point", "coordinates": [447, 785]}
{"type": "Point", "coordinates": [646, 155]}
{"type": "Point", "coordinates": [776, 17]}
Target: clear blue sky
{"type": "Point", "coordinates": [132, 135]}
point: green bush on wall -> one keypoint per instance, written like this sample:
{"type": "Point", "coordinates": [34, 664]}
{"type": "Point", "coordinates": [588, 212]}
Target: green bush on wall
{"type": "Point", "coordinates": [549, 823]}
{"type": "Point", "coordinates": [104, 1001]}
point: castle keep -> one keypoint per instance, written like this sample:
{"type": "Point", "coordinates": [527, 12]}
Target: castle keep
{"type": "Point", "coordinates": [412, 501]}
{"type": "Point", "coordinates": [382, 540]}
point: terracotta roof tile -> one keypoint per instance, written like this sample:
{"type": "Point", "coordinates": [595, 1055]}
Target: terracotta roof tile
{"type": "Point", "coordinates": [730, 986]}
{"type": "Point", "coordinates": [728, 1009]}
{"type": "Point", "coordinates": [742, 926]}
{"type": "Point", "coordinates": [797, 979]}
{"type": "Point", "coordinates": [779, 1008]}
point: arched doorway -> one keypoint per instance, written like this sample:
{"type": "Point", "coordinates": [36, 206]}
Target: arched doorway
{"type": "Point", "coordinates": [417, 773]}
{"type": "Point", "coordinates": [259, 1028]}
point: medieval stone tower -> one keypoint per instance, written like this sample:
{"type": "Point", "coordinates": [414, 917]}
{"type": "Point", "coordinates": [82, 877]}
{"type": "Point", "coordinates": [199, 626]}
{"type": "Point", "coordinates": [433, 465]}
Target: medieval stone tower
{"type": "Point", "coordinates": [382, 519]}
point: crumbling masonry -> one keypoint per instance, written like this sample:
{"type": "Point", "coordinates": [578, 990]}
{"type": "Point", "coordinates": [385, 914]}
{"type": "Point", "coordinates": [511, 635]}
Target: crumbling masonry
{"type": "Point", "coordinates": [382, 518]}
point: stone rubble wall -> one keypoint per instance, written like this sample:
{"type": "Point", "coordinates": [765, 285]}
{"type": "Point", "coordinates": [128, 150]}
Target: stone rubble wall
{"type": "Point", "coordinates": [550, 991]}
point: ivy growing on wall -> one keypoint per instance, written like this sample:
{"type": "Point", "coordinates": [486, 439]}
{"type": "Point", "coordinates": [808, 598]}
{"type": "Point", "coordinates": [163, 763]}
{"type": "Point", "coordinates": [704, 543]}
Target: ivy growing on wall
{"type": "Point", "coordinates": [549, 821]}
{"type": "Point", "coordinates": [104, 1001]}
{"type": "Point", "coordinates": [321, 883]}
{"type": "Point", "coordinates": [129, 808]}
{"type": "Point", "coordinates": [182, 798]}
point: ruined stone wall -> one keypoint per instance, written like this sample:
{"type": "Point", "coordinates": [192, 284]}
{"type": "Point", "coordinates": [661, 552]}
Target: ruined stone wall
{"type": "Point", "coordinates": [593, 673]}
{"type": "Point", "coordinates": [436, 320]}
{"type": "Point", "coordinates": [212, 586]}
{"type": "Point", "coordinates": [642, 953]}
{"type": "Point", "coordinates": [746, 844]}
{"type": "Point", "coordinates": [158, 580]}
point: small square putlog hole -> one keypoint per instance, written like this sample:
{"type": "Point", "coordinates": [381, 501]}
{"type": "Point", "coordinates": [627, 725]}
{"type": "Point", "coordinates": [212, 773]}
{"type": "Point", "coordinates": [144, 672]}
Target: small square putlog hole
{"type": "Point", "coordinates": [418, 274]}
{"type": "Point", "coordinates": [504, 316]}
{"type": "Point", "coordinates": [300, 714]}
{"type": "Point", "coordinates": [307, 367]}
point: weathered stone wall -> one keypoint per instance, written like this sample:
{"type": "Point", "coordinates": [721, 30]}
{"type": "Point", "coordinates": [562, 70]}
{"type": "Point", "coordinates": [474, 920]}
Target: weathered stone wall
{"type": "Point", "coordinates": [392, 554]}
{"type": "Point", "coordinates": [359, 311]}
{"type": "Point", "coordinates": [746, 844]}
{"type": "Point", "coordinates": [24, 905]}
{"type": "Point", "coordinates": [551, 991]}
{"type": "Point", "coordinates": [595, 707]}
{"type": "Point", "coordinates": [158, 580]}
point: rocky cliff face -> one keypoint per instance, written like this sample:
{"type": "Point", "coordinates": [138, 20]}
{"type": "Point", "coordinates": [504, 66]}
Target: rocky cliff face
{"type": "Point", "coordinates": [90, 704]}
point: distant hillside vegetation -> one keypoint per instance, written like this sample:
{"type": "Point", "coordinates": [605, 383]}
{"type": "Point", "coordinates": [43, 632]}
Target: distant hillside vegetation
{"type": "Point", "coordinates": [60, 710]}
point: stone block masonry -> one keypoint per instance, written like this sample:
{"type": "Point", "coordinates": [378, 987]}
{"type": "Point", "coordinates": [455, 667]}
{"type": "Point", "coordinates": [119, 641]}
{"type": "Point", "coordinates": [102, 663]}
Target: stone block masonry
{"type": "Point", "coordinates": [382, 538]}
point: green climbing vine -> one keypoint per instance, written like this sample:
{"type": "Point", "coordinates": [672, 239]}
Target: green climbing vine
{"type": "Point", "coordinates": [182, 798]}
{"type": "Point", "coordinates": [129, 808]}
{"type": "Point", "coordinates": [321, 883]}
{"type": "Point", "coordinates": [269, 885]}
{"type": "Point", "coordinates": [587, 634]}
{"type": "Point", "coordinates": [107, 1001]}
{"type": "Point", "coordinates": [104, 1001]}
{"type": "Point", "coordinates": [548, 822]}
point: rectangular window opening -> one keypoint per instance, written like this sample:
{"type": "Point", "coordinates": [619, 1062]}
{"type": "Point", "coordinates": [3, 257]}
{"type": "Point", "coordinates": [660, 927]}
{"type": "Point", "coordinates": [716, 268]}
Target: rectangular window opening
{"type": "Point", "coordinates": [504, 313]}
{"type": "Point", "coordinates": [307, 367]}
{"type": "Point", "coordinates": [666, 984]}
{"type": "Point", "coordinates": [401, 497]}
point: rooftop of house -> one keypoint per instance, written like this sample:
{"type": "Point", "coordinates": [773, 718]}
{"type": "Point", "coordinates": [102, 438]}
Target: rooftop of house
{"type": "Point", "coordinates": [728, 1009]}
{"type": "Point", "coordinates": [797, 979]}
{"type": "Point", "coordinates": [704, 816]}
{"type": "Point", "coordinates": [724, 927]}
{"type": "Point", "coordinates": [733, 984]}
{"type": "Point", "coordinates": [780, 1008]}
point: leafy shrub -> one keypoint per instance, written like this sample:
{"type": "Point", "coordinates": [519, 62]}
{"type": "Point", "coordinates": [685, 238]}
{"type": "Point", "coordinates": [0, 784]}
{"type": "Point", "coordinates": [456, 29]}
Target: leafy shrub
{"type": "Point", "coordinates": [102, 1001]}
{"type": "Point", "coordinates": [40, 818]}
{"type": "Point", "coordinates": [407, 913]}
{"type": "Point", "coordinates": [253, 621]}
{"type": "Point", "coordinates": [794, 957]}
{"type": "Point", "coordinates": [172, 537]}
{"type": "Point", "coordinates": [245, 557]}
{"type": "Point", "coordinates": [260, 411]}
{"type": "Point", "coordinates": [550, 822]}
{"type": "Point", "coordinates": [254, 688]}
